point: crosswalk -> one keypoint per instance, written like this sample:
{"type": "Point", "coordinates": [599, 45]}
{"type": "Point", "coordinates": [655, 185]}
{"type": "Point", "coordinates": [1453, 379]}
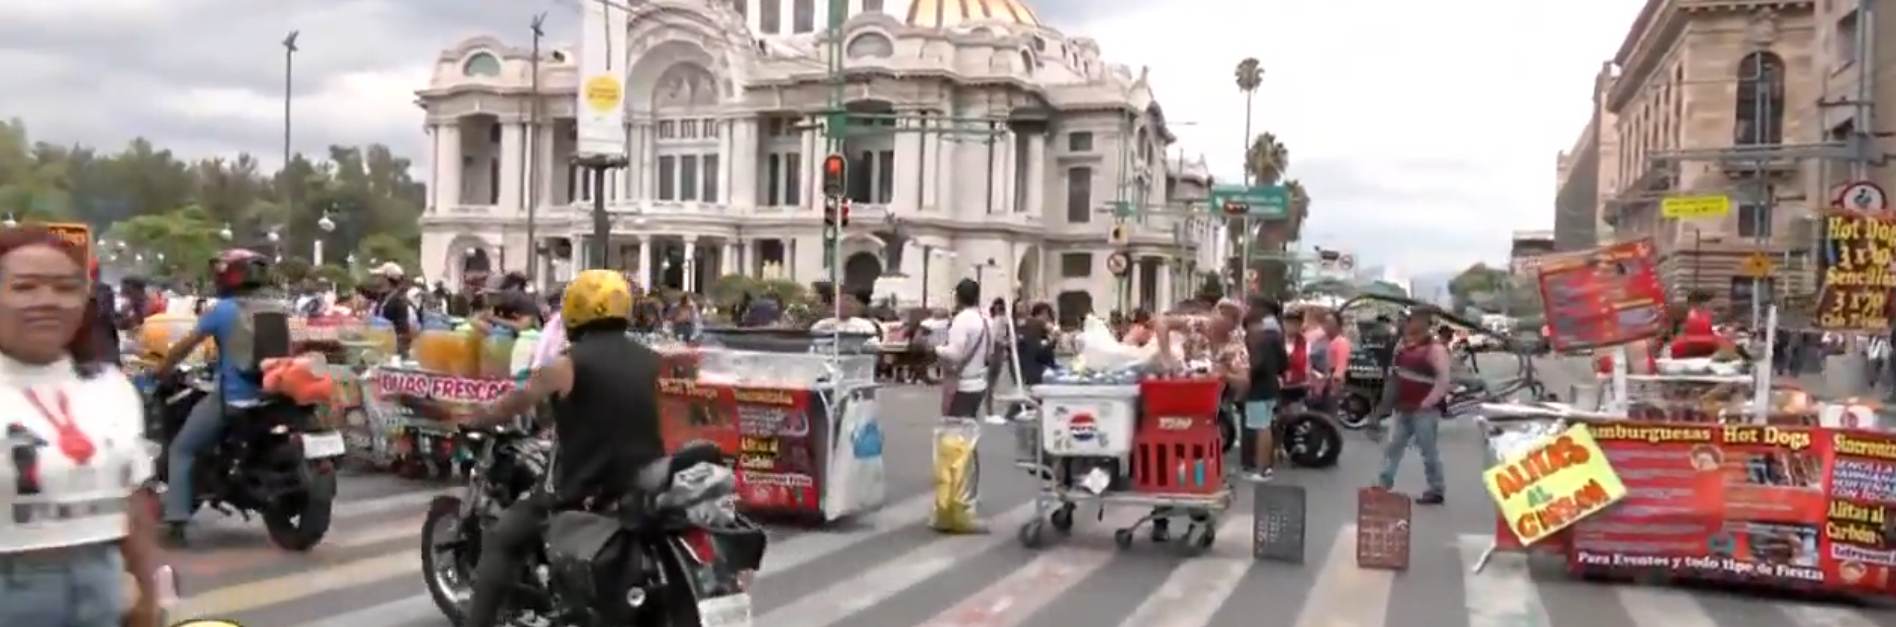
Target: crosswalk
{"type": "Point", "coordinates": [885, 568]}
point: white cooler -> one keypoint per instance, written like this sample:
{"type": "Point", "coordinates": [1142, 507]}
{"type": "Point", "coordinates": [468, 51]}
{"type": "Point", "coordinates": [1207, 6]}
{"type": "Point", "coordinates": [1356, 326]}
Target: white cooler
{"type": "Point", "coordinates": [1087, 420]}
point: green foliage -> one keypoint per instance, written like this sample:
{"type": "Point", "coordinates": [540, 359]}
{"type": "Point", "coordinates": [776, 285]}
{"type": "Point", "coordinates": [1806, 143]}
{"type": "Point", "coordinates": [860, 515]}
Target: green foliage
{"type": "Point", "coordinates": [1329, 287]}
{"type": "Point", "coordinates": [158, 203]}
{"type": "Point", "coordinates": [1385, 288]}
{"type": "Point", "coordinates": [1494, 290]}
{"type": "Point", "coordinates": [787, 291]}
{"type": "Point", "coordinates": [729, 290]}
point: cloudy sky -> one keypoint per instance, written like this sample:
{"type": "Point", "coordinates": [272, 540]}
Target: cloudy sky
{"type": "Point", "coordinates": [1426, 131]}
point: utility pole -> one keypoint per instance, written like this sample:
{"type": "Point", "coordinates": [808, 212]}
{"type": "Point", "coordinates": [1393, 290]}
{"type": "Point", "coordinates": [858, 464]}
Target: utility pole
{"type": "Point", "coordinates": [532, 147]}
{"type": "Point", "coordinates": [610, 93]}
{"type": "Point", "coordinates": [835, 128]}
{"type": "Point", "coordinates": [289, 56]}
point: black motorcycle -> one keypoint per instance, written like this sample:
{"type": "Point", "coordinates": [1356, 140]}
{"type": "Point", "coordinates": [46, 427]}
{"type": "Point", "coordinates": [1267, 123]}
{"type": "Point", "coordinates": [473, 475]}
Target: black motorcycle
{"type": "Point", "coordinates": [674, 553]}
{"type": "Point", "coordinates": [273, 459]}
{"type": "Point", "coordinates": [1308, 438]}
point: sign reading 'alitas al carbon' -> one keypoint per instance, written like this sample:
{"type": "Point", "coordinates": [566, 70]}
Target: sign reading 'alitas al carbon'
{"type": "Point", "coordinates": [1554, 485]}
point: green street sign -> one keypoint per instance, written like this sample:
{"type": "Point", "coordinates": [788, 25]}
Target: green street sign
{"type": "Point", "coordinates": [1260, 201]}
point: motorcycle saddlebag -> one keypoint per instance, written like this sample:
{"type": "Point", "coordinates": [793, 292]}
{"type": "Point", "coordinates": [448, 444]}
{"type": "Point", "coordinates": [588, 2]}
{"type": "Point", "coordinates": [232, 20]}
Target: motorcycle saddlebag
{"type": "Point", "coordinates": [588, 555]}
{"type": "Point", "coordinates": [740, 546]}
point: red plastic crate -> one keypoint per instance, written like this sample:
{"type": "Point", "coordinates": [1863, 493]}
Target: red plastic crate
{"type": "Point", "coordinates": [1177, 462]}
{"type": "Point", "coordinates": [1180, 397]}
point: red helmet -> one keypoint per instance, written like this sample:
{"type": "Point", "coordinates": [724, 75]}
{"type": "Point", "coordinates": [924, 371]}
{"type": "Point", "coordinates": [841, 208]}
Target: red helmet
{"type": "Point", "coordinates": [239, 268]}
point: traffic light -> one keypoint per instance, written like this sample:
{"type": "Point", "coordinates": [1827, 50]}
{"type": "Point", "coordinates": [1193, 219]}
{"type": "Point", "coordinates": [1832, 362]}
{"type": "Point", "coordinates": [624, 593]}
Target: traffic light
{"type": "Point", "coordinates": [1235, 208]}
{"type": "Point", "coordinates": [831, 209]}
{"type": "Point", "coordinates": [834, 175]}
{"type": "Point", "coordinates": [843, 213]}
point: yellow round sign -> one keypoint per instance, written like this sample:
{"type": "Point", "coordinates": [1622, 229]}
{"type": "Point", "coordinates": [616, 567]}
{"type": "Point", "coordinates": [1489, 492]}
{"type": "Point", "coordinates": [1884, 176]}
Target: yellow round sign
{"type": "Point", "coordinates": [603, 93]}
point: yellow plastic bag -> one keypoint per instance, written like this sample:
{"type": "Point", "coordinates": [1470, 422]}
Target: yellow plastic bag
{"type": "Point", "coordinates": [957, 476]}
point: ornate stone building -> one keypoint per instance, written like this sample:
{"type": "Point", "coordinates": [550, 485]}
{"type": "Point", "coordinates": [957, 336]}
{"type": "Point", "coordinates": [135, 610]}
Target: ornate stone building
{"type": "Point", "coordinates": [1716, 97]}
{"type": "Point", "coordinates": [722, 101]}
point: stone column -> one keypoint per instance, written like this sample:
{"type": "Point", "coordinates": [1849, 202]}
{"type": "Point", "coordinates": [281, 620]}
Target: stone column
{"type": "Point", "coordinates": [1165, 282]}
{"type": "Point", "coordinates": [1037, 174]}
{"type": "Point", "coordinates": [448, 186]}
{"type": "Point", "coordinates": [743, 158]}
{"type": "Point", "coordinates": [931, 163]}
{"type": "Point", "coordinates": [811, 168]}
{"type": "Point", "coordinates": [510, 153]}
{"type": "Point", "coordinates": [646, 163]}
{"type": "Point", "coordinates": [727, 258]}
{"type": "Point", "coordinates": [908, 147]}
{"type": "Point", "coordinates": [691, 264]}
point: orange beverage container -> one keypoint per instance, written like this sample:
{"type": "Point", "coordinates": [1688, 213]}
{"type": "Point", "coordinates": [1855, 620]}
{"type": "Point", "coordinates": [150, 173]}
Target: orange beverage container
{"type": "Point", "coordinates": [467, 357]}
{"type": "Point", "coordinates": [434, 347]}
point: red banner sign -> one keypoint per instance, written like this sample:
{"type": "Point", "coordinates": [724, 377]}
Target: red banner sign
{"type": "Point", "coordinates": [1786, 506]}
{"type": "Point", "coordinates": [1603, 297]}
{"type": "Point", "coordinates": [775, 435]}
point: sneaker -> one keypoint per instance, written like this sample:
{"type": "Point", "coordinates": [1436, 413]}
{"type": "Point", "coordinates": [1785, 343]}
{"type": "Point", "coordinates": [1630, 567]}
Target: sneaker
{"type": "Point", "coordinates": [1431, 497]}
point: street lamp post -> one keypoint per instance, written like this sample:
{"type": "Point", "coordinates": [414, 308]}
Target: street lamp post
{"type": "Point", "coordinates": [327, 225]}
{"type": "Point", "coordinates": [289, 55]}
{"type": "Point", "coordinates": [533, 149]}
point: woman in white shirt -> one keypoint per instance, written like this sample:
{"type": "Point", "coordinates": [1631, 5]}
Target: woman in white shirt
{"type": "Point", "coordinates": [73, 520]}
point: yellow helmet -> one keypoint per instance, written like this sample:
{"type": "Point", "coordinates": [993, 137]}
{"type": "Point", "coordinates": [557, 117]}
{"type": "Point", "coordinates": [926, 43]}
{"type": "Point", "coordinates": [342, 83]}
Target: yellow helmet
{"type": "Point", "coordinates": [596, 295]}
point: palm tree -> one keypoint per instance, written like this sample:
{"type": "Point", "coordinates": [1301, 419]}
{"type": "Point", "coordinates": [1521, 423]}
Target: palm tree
{"type": "Point", "coordinates": [1299, 206]}
{"type": "Point", "coordinates": [1267, 160]}
{"type": "Point", "coordinates": [1250, 75]}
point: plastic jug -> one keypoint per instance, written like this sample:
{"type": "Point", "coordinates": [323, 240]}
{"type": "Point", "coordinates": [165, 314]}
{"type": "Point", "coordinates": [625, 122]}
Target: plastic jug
{"type": "Point", "coordinates": [380, 333]}
{"type": "Point", "coordinates": [521, 360]}
{"type": "Point", "coordinates": [467, 358]}
{"type": "Point", "coordinates": [160, 332]}
{"type": "Point", "coordinates": [435, 347]}
{"type": "Point", "coordinates": [497, 354]}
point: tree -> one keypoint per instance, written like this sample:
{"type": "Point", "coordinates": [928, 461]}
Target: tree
{"type": "Point", "coordinates": [1267, 160]}
{"type": "Point", "coordinates": [1329, 287]}
{"type": "Point", "coordinates": [177, 245]}
{"type": "Point", "coordinates": [1385, 288]}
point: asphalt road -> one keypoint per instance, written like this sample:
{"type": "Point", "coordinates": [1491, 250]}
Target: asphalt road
{"type": "Point", "coordinates": [886, 569]}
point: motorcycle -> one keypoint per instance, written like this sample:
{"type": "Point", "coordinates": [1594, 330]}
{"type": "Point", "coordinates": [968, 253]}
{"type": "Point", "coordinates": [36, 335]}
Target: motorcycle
{"type": "Point", "coordinates": [1308, 438]}
{"type": "Point", "coordinates": [674, 553]}
{"type": "Point", "coordinates": [273, 459]}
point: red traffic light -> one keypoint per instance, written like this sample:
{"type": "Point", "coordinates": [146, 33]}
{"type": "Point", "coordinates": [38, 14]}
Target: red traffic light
{"type": "Point", "coordinates": [834, 175]}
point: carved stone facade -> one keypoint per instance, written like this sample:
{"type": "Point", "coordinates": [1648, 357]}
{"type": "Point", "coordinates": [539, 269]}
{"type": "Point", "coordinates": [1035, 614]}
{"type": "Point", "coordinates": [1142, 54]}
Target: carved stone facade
{"type": "Point", "coordinates": [722, 107]}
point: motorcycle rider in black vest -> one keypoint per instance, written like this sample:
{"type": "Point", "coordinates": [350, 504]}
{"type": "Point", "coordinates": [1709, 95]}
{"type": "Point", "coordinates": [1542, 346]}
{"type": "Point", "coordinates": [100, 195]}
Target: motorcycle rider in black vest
{"type": "Point", "coordinates": [604, 394]}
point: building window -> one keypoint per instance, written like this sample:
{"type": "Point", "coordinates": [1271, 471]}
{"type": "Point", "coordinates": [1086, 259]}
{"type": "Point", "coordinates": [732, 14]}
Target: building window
{"type": "Point", "coordinates": [803, 16]}
{"type": "Point", "coordinates": [741, 6]}
{"type": "Point", "coordinates": [1080, 195]}
{"type": "Point", "coordinates": [667, 129]}
{"type": "Point", "coordinates": [688, 129]}
{"type": "Point", "coordinates": [870, 45]}
{"type": "Point", "coordinates": [712, 129]}
{"type": "Point", "coordinates": [1754, 220]}
{"type": "Point", "coordinates": [1076, 265]}
{"type": "Point", "coordinates": [667, 168]}
{"type": "Point", "coordinates": [481, 64]}
{"type": "Point", "coordinates": [792, 178]}
{"type": "Point", "coordinates": [771, 21]}
{"type": "Point", "coordinates": [885, 176]}
{"type": "Point", "coordinates": [1845, 40]}
{"type": "Point", "coordinates": [1760, 110]}
{"type": "Point", "coordinates": [710, 178]}
{"type": "Point", "coordinates": [1079, 142]}
{"type": "Point", "coordinates": [774, 174]}
{"type": "Point", "coordinates": [688, 177]}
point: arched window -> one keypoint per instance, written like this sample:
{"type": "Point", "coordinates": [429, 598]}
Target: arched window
{"type": "Point", "coordinates": [871, 45]}
{"type": "Point", "coordinates": [1026, 62]}
{"type": "Point", "coordinates": [1760, 110]}
{"type": "Point", "coordinates": [481, 64]}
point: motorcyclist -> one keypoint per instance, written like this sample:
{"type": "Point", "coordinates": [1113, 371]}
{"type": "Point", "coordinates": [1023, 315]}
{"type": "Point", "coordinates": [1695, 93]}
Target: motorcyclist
{"type": "Point", "coordinates": [240, 277]}
{"type": "Point", "coordinates": [604, 393]}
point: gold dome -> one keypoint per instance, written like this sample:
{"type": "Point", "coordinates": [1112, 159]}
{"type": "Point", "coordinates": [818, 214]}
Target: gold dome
{"type": "Point", "coordinates": [949, 13]}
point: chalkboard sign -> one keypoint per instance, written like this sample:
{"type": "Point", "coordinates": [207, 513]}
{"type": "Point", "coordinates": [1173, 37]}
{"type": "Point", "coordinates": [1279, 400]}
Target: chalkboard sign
{"type": "Point", "coordinates": [1382, 529]}
{"type": "Point", "coordinates": [1277, 526]}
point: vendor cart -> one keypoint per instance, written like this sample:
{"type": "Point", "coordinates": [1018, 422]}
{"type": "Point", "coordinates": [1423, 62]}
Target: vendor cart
{"type": "Point", "coordinates": [1154, 444]}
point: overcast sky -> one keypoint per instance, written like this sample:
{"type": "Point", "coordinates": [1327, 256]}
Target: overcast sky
{"type": "Point", "coordinates": [1425, 131]}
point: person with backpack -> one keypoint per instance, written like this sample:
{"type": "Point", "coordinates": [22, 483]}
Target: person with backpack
{"type": "Point", "coordinates": [241, 277]}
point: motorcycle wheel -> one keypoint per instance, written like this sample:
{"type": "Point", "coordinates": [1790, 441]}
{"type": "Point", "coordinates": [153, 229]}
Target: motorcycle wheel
{"type": "Point", "coordinates": [1352, 411]}
{"type": "Point", "coordinates": [1311, 441]}
{"type": "Point", "coordinates": [448, 557]}
{"type": "Point", "coordinates": [298, 523]}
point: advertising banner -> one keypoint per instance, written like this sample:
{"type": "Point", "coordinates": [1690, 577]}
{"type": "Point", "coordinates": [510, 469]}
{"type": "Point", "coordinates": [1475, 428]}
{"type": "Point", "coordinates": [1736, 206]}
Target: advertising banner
{"type": "Point", "coordinates": [1859, 250]}
{"type": "Point", "coordinates": [1859, 531]}
{"type": "Point", "coordinates": [1603, 297]}
{"type": "Point", "coordinates": [414, 398]}
{"type": "Point", "coordinates": [1554, 485]}
{"type": "Point", "coordinates": [777, 438]}
{"type": "Point", "coordinates": [75, 233]}
{"type": "Point", "coordinates": [602, 72]}
{"type": "Point", "coordinates": [1743, 503]}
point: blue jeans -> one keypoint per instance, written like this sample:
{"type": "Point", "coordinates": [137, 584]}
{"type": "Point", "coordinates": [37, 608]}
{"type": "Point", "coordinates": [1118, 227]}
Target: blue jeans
{"type": "Point", "coordinates": [81, 587]}
{"type": "Point", "coordinates": [200, 432]}
{"type": "Point", "coordinates": [1420, 425]}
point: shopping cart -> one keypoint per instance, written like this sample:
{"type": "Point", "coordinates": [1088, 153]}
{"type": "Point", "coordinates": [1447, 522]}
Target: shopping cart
{"type": "Point", "coordinates": [1153, 445]}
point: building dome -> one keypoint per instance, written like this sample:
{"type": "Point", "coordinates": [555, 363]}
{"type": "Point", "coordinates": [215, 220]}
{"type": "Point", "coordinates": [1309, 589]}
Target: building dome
{"type": "Point", "coordinates": [950, 13]}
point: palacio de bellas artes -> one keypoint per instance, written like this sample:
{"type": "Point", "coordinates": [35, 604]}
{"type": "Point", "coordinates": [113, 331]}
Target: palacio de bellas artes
{"type": "Point", "coordinates": [1010, 141]}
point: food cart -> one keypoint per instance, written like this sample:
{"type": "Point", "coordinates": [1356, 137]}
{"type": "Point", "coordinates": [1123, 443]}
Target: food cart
{"type": "Point", "coordinates": [796, 413]}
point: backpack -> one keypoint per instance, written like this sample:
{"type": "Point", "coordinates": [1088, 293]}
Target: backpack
{"type": "Point", "coordinates": [262, 332]}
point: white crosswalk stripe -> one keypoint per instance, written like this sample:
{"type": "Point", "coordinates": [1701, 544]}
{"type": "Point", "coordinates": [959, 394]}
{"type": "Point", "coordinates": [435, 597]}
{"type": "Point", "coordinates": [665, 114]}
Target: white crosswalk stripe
{"type": "Point", "coordinates": [371, 562]}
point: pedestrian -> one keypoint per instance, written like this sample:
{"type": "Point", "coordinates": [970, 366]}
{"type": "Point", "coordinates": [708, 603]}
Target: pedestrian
{"type": "Point", "coordinates": [1413, 391]}
{"type": "Point", "coordinates": [65, 554]}
{"type": "Point", "coordinates": [966, 355]}
{"type": "Point", "coordinates": [1265, 347]}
